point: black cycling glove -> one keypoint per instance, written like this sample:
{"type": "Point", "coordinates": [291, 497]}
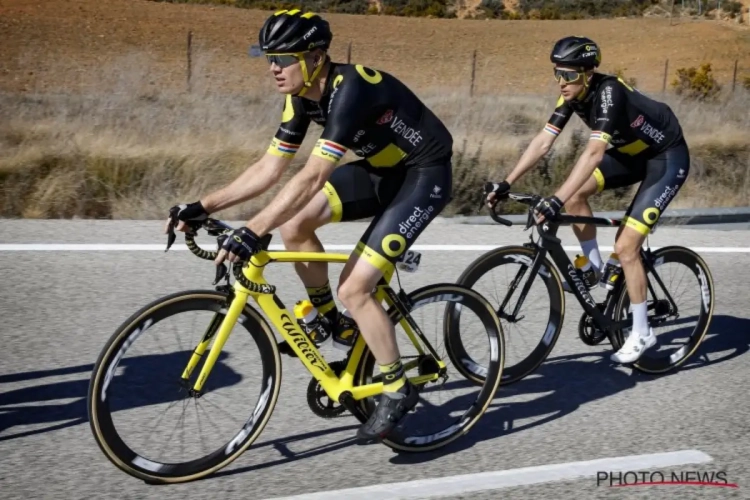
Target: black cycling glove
{"type": "Point", "coordinates": [501, 189]}
{"type": "Point", "coordinates": [549, 207]}
{"type": "Point", "coordinates": [243, 243]}
{"type": "Point", "coordinates": [189, 212]}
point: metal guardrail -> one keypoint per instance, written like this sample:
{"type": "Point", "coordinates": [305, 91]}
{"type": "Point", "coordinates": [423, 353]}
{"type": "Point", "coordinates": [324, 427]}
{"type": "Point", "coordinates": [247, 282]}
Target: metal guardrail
{"type": "Point", "coordinates": [674, 217]}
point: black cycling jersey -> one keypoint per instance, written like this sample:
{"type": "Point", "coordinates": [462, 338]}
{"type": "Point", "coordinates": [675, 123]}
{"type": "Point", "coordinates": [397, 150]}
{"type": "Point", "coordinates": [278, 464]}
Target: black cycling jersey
{"type": "Point", "coordinates": [618, 114]}
{"type": "Point", "coordinates": [369, 112]}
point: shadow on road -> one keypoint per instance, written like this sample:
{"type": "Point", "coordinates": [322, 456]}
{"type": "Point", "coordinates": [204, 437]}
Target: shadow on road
{"type": "Point", "coordinates": [281, 445]}
{"type": "Point", "coordinates": [727, 338]}
{"type": "Point", "coordinates": [562, 385]}
{"type": "Point", "coordinates": [569, 382]}
{"type": "Point", "coordinates": [142, 389]}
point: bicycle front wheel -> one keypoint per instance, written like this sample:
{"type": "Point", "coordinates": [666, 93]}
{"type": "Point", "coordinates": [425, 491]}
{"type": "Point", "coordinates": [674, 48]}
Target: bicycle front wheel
{"type": "Point", "coordinates": [501, 275]}
{"type": "Point", "coordinates": [449, 406]}
{"type": "Point", "coordinates": [124, 421]}
{"type": "Point", "coordinates": [680, 294]}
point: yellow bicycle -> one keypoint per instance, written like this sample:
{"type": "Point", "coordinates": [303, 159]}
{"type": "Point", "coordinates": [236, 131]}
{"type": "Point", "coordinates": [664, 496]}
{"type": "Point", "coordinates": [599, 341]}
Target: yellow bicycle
{"type": "Point", "coordinates": [349, 382]}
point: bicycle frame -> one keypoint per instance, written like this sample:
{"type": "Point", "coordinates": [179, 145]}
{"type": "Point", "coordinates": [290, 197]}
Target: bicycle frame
{"type": "Point", "coordinates": [255, 285]}
{"type": "Point", "coordinates": [550, 244]}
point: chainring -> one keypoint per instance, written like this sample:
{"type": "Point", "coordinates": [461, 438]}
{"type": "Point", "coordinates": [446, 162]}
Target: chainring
{"type": "Point", "coordinates": [318, 400]}
{"type": "Point", "coordinates": [588, 333]}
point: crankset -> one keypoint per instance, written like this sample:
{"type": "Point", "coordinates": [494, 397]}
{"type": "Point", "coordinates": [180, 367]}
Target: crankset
{"type": "Point", "coordinates": [588, 332]}
{"type": "Point", "coordinates": [318, 400]}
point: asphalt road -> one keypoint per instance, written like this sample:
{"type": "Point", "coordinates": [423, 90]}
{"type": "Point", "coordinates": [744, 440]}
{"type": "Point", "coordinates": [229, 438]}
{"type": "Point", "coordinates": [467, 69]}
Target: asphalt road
{"type": "Point", "coordinates": [58, 308]}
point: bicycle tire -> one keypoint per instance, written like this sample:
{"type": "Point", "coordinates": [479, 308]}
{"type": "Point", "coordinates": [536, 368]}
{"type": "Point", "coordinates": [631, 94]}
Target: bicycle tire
{"type": "Point", "coordinates": [468, 278]}
{"type": "Point", "coordinates": [478, 304]}
{"type": "Point", "coordinates": [694, 262]}
{"type": "Point", "coordinates": [100, 419]}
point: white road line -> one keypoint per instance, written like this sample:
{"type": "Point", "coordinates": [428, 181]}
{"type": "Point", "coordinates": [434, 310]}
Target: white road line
{"type": "Point", "coordinates": [466, 483]}
{"type": "Point", "coordinates": [147, 247]}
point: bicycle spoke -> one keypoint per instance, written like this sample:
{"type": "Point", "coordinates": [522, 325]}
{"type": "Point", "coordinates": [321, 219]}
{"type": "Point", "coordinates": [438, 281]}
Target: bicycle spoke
{"type": "Point", "coordinates": [498, 276]}
{"type": "Point", "coordinates": [178, 430]}
{"type": "Point", "coordinates": [196, 405]}
{"type": "Point", "coordinates": [681, 327]}
{"type": "Point", "coordinates": [448, 399]}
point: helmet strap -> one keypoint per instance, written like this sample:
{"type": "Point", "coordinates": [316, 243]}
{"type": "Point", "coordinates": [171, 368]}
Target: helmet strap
{"type": "Point", "coordinates": [308, 81]}
{"type": "Point", "coordinates": [586, 82]}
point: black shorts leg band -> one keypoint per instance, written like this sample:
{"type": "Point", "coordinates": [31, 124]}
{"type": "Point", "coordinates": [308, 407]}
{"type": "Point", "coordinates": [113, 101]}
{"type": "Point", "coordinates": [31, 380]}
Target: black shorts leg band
{"type": "Point", "coordinates": [665, 175]}
{"type": "Point", "coordinates": [421, 197]}
{"type": "Point", "coordinates": [351, 193]}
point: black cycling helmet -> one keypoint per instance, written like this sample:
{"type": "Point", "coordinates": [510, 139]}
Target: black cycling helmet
{"type": "Point", "coordinates": [577, 51]}
{"type": "Point", "coordinates": [294, 31]}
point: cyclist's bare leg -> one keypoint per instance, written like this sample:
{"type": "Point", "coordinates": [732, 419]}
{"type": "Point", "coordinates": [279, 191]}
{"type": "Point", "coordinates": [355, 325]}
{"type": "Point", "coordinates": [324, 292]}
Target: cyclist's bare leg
{"type": "Point", "coordinates": [299, 235]}
{"type": "Point", "coordinates": [356, 283]}
{"type": "Point", "coordinates": [627, 247]}
{"type": "Point", "coordinates": [578, 204]}
{"type": "Point", "coordinates": [399, 396]}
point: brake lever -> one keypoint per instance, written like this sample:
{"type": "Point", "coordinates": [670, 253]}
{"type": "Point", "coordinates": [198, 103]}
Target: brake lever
{"type": "Point", "coordinates": [221, 272]}
{"type": "Point", "coordinates": [530, 221]}
{"type": "Point", "coordinates": [482, 200]}
{"type": "Point", "coordinates": [171, 237]}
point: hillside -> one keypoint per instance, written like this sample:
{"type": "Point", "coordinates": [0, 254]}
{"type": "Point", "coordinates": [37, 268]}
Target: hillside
{"type": "Point", "coordinates": [97, 121]}
{"type": "Point", "coordinates": [87, 44]}
{"type": "Point", "coordinates": [502, 9]}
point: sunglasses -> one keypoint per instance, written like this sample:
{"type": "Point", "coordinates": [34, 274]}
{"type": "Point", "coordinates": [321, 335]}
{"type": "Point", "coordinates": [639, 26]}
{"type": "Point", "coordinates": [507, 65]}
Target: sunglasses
{"type": "Point", "coordinates": [283, 60]}
{"type": "Point", "coordinates": [567, 75]}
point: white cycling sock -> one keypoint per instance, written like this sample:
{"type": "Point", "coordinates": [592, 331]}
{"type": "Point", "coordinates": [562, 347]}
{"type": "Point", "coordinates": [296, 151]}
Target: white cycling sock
{"type": "Point", "coordinates": [640, 318]}
{"type": "Point", "coordinates": [591, 250]}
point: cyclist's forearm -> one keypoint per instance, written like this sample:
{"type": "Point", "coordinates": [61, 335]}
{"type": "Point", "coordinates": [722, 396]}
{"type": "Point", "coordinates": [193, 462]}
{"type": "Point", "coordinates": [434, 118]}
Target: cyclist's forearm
{"type": "Point", "coordinates": [292, 197]}
{"type": "Point", "coordinates": [252, 182]}
{"type": "Point", "coordinates": [538, 147]}
{"type": "Point", "coordinates": [584, 167]}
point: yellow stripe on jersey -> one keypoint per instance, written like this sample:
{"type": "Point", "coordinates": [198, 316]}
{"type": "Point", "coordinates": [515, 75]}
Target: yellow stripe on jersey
{"type": "Point", "coordinates": [633, 148]}
{"type": "Point", "coordinates": [600, 136]}
{"type": "Point", "coordinates": [288, 112]}
{"type": "Point", "coordinates": [282, 148]}
{"type": "Point", "coordinates": [329, 150]}
{"type": "Point", "coordinates": [390, 156]}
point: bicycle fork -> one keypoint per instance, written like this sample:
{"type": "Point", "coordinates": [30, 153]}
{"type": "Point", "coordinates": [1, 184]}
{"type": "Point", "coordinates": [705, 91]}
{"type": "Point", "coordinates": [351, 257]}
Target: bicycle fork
{"type": "Point", "coordinates": [535, 265]}
{"type": "Point", "coordinates": [224, 328]}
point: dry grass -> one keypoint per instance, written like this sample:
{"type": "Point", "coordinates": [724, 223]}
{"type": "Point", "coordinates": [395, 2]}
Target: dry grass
{"type": "Point", "coordinates": [96, 121]}
{"type": "Point", "coordinates": [64, 45]}
{"type": "Point", "coordinates": [130, 155]}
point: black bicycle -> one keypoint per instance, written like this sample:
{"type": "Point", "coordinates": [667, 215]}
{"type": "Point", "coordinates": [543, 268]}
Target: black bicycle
{"type": "Point", "coordinates": [608, 319]}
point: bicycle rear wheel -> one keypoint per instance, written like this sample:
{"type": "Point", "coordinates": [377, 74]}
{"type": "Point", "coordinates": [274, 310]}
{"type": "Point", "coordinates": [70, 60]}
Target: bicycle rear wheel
{"type": "Point", "coordinates": [664, 296]}
{"type": "Point", "coordinates": [118, 445]}
{"type": "Point", "coordinates": [434, 426]}
{"type": "Point", "coordinates": [533, 332]}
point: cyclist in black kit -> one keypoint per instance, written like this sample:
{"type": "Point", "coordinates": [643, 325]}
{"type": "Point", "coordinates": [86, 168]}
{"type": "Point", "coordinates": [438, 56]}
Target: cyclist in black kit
{"type": "Point", "coordinates": [403, 180]}
{"type": "Point", "coordinates": [645, 144]}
